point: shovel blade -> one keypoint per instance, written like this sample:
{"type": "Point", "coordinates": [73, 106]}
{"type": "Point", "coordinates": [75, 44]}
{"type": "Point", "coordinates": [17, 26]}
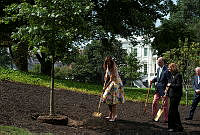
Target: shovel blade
{"type": "Point", "coordinates": [159, 113]}
{"type": "Point", "coordinates": [97, 114]}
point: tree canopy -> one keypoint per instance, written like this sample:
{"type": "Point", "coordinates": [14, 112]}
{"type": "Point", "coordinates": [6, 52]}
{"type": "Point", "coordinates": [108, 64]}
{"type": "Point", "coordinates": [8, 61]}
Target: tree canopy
{"type": "Point", "coordinates": [131, 68]}
{"type": "Point", "coordinates": [183, 22]}
{"type": "Point", "coordinates": [88, 65]}
{"type": "Point", "coordinates": [187, 58]}
{"type": "Point", "coordinates": [51, 26]}
{"type": "Point", "coordinates": [128, 18]}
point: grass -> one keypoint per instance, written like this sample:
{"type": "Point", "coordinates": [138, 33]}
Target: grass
{"type": "Point", "coordinates": [9, 130]}
{"type": "Point", "coordinates": [43, 80]}
{"type": "Point", "coordinates": [133, 94]}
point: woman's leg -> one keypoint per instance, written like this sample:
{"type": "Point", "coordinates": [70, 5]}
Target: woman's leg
{"type": "Point", "coordinates": [179, 126]}
{"type": "Point", "coordinates": [114, 112]}
{"type": "Point", "coordinates": [110, 112]}
{"type": "Point", "coordinates": [171, 117]}
{"type": "Point", "coordinates": [174, 116]}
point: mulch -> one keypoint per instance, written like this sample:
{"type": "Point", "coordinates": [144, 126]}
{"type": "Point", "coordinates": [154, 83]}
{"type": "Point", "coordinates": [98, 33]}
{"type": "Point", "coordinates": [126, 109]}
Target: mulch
{"type": "Point", "coordinates": [21, 104]}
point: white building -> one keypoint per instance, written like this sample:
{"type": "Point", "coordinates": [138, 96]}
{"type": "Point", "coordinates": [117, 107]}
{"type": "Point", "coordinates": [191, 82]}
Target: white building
{"type": "Point", "coordinates": [145, 54]}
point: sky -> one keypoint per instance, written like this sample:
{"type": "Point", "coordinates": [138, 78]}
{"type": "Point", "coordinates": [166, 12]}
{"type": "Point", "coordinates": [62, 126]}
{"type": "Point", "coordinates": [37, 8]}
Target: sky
{"type": "Point", "coordinates": [158, 21]}
{"type": "Point", "coordinates": [174, 1]}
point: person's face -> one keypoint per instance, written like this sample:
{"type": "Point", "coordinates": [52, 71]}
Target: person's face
{"type": "Point", "coordinates": [169, 69]}
{"type": "Point", "coordinates": [107, 63]}
{"type": "Point", "coordinates": [198, 72]}
{"type": "Point", "coordinates": [160, 63]}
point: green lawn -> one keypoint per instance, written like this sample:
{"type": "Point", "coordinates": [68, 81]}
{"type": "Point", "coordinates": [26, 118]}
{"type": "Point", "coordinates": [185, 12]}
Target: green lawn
{"type": "Point", "coordinates": [9, 130]}
{"type": "Point", "coordinates": [133, 94]}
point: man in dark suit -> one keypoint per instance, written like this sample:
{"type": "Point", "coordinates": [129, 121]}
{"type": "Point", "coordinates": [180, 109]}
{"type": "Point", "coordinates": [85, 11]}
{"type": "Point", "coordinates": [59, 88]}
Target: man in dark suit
{"type": "Point", "coordinates": [161, 79]}
{"type": "Point", "coordinates": [196, 87]}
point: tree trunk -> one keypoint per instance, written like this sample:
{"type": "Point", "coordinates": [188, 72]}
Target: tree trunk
{"type": "Point", "coordinates": [45, 64]}
{"type": "Point", "coordinates": [11, 55]}
{"type": "Point", "coordinates": [20, 57]}
{"type": "Point", "coordinates": [46, 67]}
{"type": "Point", "coordinates": [52, 89]}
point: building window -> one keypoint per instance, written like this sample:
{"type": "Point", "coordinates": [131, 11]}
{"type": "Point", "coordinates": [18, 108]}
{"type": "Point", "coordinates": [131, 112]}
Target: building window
{"type": "Point", "coordinates": [135, 52]}
{"type": "Point", "coordinates": [145, 51]}
{"type": "Point", "coordinates": [145, 69]}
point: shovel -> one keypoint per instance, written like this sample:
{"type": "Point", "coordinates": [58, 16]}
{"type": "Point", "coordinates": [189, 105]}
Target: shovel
{"type": "Point", "coordinates": [98, 114]}
{"type": "Point", "coordinates": [161, 110]}
{"type": "Point", "coordinates": [159, 113]}
{"type": "Point", "coordinates": [147, 98]}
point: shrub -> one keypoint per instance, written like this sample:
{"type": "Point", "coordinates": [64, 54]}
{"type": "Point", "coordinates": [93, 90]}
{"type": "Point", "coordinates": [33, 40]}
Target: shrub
{"type": "Point", "coordinates": [36, 68]}
{"type": "Point", "coordinates": [62, 72]}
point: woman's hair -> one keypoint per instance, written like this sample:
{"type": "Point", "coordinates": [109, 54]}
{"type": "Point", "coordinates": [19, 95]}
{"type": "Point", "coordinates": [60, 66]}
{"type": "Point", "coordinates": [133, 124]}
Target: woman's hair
{"type": "Point", "coordinates": [109, 62]}
{"type": "Point", "coordinates": [173, 67]}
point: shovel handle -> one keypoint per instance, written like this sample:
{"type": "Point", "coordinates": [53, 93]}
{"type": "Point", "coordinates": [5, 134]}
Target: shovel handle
{"type": "Point", "coordinates": [98, 109]}
{"type": "Point", "coordinates": [100, 100]}
{"type": "Point", "coordinates": [147, 98]}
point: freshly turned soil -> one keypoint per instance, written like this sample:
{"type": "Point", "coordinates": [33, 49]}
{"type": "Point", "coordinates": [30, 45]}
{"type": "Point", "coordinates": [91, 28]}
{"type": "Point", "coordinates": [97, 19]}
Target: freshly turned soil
{"type": "Point", "coordinates": [21, 105]}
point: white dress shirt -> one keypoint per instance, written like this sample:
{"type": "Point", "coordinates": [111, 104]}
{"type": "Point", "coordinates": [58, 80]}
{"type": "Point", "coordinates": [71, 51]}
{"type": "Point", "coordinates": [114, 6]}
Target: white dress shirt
{"type": "Point", "coordinates": [160, 71]}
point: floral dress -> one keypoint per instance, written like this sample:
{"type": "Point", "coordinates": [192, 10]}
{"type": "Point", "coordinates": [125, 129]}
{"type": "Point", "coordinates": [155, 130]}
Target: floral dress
{"type": "Point", "coordinates": [114, 93]}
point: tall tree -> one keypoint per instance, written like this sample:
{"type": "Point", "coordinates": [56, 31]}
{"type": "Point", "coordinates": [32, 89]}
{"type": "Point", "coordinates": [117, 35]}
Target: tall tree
{"type": "Point", "coordinates": [20, 56]}
{"type": "Point", "coordinates": [52, 26]}
{"type": "Point", "coordinates": [187, 56]}
{"type": "Point", "coordinates": [5, 60]}
{"type": "Point", "coordinates": [187, 11]}
{"type": "Point", "coordinates": [88, 66]}
{"type": "Point", "coordinates": [183, 22]}
{"type": "Point", "coordinates": [16, 48]}
{"type": "Point", "coordinates": [131, 68]}
{"type": "Point", "coordinates": [127, 18]}
{"type": "Point", "coordinates": [168, 35]}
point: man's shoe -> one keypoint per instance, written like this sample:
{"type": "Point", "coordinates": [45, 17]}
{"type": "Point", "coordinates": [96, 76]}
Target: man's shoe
{"type": "Point", "coordinates": [154, 120]}
{"type": "Point", "coordinates": [171, 130]}
{"type": "Point", "coordinates": [188, 118]}
{"type": "Point", "coordinates": [108, 117]}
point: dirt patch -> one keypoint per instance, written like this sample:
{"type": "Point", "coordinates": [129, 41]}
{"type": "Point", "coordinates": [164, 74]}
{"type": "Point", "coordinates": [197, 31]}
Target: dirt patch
{"type": "Point", "coordinates": [21, 104]}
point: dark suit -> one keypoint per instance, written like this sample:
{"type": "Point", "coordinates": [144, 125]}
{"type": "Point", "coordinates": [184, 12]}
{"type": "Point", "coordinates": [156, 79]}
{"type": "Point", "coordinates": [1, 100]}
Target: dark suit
{"type": "Point", "coordinates": [161, 81]}
{"type": "Point", "coordinates": [196, 99]}
{"type": "Point", "coordinates": [159, 93]}
{"type": "Point", "coordinates": [175, 93]}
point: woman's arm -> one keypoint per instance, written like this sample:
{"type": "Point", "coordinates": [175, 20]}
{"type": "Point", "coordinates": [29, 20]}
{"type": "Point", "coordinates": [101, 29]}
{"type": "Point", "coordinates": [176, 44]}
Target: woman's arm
{"type": "Point", "coordinates": [112, 78]}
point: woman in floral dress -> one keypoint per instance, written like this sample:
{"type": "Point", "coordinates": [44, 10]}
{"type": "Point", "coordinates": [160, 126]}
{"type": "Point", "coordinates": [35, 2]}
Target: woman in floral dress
{"type": "Point", "coordinates": [113, 88]}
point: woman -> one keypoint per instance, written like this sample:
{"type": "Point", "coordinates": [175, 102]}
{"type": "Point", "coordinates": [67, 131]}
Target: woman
{"type": "Point", "coordinates": [113, 88]}
{"type": "Point", "coordinates": [175, 93]}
